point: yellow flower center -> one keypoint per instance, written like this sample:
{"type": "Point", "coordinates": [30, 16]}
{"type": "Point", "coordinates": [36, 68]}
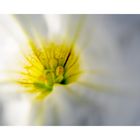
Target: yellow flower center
{"type": "Point", "coordinates": [47, 64]}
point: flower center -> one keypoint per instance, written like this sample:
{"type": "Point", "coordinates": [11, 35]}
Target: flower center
{"type": "Point", "coordinates": [52, 63]}
{"type": "Point", "coordinates": [59, 74]}
{"type": "Point", "coordinates": [56, 76]}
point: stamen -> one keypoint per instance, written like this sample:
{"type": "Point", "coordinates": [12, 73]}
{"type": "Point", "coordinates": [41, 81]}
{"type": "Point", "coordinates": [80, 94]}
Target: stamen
{"type": "Point", "coordinates": [59, 71]}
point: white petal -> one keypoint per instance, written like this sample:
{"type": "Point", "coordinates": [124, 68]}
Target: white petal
{"type": "Point", "coordinates": [11, 37]}
{"type": "Point", "coordinates": [32, 24]}
{"type": "Point", "coordinates": [54, 24]}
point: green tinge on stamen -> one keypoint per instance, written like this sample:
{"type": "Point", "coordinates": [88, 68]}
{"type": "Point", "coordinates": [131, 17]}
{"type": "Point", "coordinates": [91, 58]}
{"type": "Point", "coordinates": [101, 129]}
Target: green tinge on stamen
{"type": "Point", "coordinates": [57, 63]}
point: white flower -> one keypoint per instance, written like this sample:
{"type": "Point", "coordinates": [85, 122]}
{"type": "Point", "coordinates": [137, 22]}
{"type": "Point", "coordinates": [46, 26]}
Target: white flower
{"type": "Point", "coordinates": [94, 100]}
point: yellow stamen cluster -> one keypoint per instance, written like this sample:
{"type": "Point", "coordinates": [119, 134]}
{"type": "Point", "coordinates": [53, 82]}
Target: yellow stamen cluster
{"type": "Point", "coordinates": [48, 64]}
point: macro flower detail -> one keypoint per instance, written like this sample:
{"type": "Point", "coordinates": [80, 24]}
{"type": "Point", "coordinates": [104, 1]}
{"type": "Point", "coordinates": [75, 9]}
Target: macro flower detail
{"type": "Point", "coordinates": [69, 70]}
{"type": "Point", "coordinates": [49, 63]}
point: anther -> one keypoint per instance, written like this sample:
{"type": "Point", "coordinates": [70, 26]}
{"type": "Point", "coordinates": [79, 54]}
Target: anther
{"type": "Point", "coordinates": [59, 71]}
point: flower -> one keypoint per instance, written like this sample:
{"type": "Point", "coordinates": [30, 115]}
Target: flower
{"type": "Point", "coordinates": [52, 62]}
{"type": "Point", "coordinates": [97, 63]}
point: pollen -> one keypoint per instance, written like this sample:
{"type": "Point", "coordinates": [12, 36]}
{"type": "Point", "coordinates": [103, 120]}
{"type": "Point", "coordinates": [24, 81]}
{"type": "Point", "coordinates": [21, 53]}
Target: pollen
{"type": "Point", "coordinates": [48, 64]}
{"type": "Point", "coordinates": [59, 71]}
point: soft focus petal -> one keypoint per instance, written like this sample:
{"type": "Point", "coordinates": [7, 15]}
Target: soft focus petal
{"type": "Point", "coordinates": [11, 36]}
{"type": "Point", "coordinates": [32, 24]}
